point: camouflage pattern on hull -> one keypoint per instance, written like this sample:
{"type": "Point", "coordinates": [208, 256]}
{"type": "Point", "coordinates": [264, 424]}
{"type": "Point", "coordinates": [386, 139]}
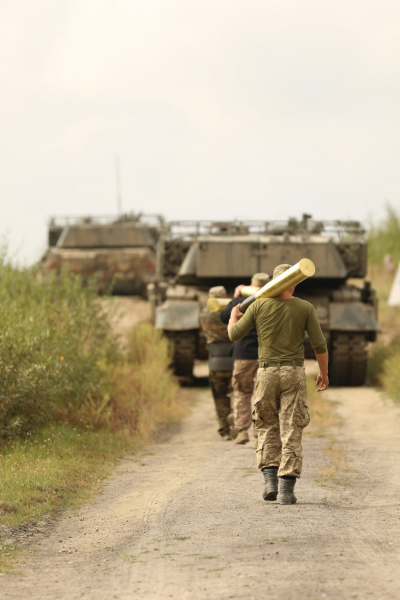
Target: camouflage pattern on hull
{"type": "Point", "coordinates": [128, 268]}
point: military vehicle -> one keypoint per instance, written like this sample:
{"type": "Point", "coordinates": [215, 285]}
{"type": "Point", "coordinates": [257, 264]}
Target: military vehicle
{"type": "Point", "coordinates": [194, 256]}
{"type": "Point", "coordinates": [121, 252]}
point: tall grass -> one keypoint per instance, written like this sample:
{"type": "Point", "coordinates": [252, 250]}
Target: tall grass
{"type": "Point", "coordinates": [140, 392]}
{"type": "Point", "coordinates": [384, 357]}
{"type": "Point", "coordinates": [384, 238]}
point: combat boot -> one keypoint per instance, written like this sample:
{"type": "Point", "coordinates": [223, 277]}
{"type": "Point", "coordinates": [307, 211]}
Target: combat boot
{"type": "Point", "coordinates": [271, 483]}
{"type": "Point", "coordinates": [242, 437]}
{"type": "Point", "coordinates": [286, 494]}
{"type": "Point", "coordinates": [233, 432]}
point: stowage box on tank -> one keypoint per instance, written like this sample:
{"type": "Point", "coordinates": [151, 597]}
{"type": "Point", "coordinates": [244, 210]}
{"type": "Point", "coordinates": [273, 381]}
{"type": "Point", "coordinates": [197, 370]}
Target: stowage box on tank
{"type": "Point", "coordinates": [194, 256]}
{"type": "Point", "coordinates": [121, 252]}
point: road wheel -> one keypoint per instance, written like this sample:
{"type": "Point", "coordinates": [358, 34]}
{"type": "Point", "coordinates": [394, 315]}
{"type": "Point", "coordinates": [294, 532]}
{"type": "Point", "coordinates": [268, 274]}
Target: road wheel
{"type": "Point", "coordinates": [185, 343]}
{"type": "Point", "coordinates": [348, 359]}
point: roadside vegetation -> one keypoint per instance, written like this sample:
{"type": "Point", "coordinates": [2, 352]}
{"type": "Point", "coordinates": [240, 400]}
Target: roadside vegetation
{"type": "Point", "coordinates": [71, 401]}
{"type": "Point", "coordinates": [384, 358]}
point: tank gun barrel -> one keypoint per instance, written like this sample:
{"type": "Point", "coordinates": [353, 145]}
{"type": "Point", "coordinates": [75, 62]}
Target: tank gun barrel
{"type": "Point", "coordinates": [302, 270]}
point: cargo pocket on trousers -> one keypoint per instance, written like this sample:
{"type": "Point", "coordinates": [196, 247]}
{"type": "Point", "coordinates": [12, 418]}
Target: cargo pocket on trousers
{"type": "Point", "coordinates": [256, 416]}
{"type": "Point", "coordinates": [302, 414]}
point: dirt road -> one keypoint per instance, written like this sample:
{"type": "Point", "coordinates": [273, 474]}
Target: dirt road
{"type": "Point", "coordinates": [186, 519]}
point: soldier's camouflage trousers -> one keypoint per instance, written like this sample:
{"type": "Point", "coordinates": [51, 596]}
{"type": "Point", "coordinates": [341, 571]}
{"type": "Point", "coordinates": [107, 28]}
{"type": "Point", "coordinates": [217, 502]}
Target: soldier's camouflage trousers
{"type": "Point", "coordinates": [280, 415]}
{"type": "Point", "coordinates": [243, 379]}
{"type": "Point", "coordinates": [221, 387]}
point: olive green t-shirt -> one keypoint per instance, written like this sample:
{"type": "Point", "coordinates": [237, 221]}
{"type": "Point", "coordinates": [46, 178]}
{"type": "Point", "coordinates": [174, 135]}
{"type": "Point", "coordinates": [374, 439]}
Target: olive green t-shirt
{"type": "Point", "coordinates": [281, 325]}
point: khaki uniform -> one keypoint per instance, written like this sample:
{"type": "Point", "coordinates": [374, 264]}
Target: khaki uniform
{"type": "Point", "coordinates": [280, 403]}
{"type": "Point", "coordinates": [280, 415]}
{"type": "Point", "coordinates": [219, 347]}
{"type": "Point", "coordinates": [243, 379]}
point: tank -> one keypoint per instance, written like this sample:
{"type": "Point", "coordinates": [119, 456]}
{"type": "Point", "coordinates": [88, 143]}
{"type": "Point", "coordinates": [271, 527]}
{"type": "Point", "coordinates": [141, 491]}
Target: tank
{"type": "Point", "coordinates": [194, 256]}
{"type": "Point", "coordinates": [121, 253]}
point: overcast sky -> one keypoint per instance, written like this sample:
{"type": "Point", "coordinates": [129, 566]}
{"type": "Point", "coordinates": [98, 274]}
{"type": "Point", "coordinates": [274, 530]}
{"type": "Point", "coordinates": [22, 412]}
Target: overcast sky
{"type": "Point", "coordinates": [259, 109]}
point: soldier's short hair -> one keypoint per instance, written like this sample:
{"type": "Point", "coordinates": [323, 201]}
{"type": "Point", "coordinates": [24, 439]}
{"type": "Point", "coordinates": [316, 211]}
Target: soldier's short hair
{"type": "Point", "coordinates": [217, 292]}
{"type": "Point", "coordinates": [260, 279]}
{"type": "Point", "coordinates": [280, 269]}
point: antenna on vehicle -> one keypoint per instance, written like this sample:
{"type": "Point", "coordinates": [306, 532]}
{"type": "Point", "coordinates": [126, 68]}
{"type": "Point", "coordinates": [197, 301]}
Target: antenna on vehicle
{"type": "Point", "coordinates": [118, 184]}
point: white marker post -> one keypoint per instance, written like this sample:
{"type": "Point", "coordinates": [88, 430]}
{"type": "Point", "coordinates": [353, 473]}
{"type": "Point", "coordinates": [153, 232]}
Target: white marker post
{"type": "Point", "coordinates": [394, 296]}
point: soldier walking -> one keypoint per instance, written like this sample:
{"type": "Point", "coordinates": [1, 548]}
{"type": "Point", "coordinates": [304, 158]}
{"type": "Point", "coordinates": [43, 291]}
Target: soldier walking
{"type": "Point", "coordinates": [220, 361]}
{"type": "Point", "coordinates": [245, 353]}
{"type": "Point", "coordinates": [280, 410]}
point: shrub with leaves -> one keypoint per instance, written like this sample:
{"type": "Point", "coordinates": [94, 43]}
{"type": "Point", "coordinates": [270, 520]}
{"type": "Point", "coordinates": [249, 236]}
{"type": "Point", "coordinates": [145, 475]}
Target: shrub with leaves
{"type": "Point", "coordinates": [55, 345]}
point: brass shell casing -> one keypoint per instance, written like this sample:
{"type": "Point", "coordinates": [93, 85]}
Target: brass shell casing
{"type": "Point", "coordinates": [296, 274]}
{"type": "Point", "coordinates": [249, 290]}
{"type": "Point", "coordinates": [300, 271]}
{"type": "Point", "coordinates": [217, 304]}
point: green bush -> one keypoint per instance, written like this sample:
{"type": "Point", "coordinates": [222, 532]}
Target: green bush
{"type": "Point", "coordinates": [60, 360]}
{"type": "Point", "coordinates": [55, 345]}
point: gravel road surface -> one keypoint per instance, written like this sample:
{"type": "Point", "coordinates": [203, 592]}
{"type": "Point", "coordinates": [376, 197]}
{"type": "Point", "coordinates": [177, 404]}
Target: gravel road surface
{"type": "Point", "coordinates": [185, 519]}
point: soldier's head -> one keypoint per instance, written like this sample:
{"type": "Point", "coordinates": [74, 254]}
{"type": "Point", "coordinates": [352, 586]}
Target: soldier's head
{"type": "Point", "coordinates": [260, 279]}
{"type": "Point", "coordinates": [279, 270]}
{"type": "Point", "coordinates": [217, 292]}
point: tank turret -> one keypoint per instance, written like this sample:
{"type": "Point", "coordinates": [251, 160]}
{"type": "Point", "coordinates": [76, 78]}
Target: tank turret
{"type": "Point", "coordinates": [119, 252]}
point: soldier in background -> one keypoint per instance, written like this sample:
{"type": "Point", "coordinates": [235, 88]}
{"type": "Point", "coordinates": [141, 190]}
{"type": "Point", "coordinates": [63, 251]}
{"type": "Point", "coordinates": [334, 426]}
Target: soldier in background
{"type": "Point", "coordinates": [220, 361]}
{"type": "Point", "coordinates": [245, 353]}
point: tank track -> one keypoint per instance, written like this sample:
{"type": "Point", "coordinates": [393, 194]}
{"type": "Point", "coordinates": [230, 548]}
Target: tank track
{"type": "Point", "coordinates": [348, 359]}
{"type": "Point", "coordinates": [185, 344]}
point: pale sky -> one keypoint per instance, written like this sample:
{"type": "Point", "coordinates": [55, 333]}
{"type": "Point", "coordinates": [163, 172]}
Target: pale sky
{"type": "Point", "coordinates": [219, 109]}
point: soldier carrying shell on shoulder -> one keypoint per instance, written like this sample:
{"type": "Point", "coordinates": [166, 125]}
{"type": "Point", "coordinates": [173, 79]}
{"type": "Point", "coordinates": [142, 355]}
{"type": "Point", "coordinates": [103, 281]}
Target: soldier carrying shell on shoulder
{"type": "Point", "coordinates": [245, 354]}
{"type": "Point", "coordinates": [280, 408]}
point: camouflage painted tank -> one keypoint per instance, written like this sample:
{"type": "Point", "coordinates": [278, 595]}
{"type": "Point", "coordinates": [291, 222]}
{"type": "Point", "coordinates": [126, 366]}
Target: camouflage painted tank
{"type": "Point", "coordinates": [121, 252]}
{"type": "Point", "coordinates": [196, 256]}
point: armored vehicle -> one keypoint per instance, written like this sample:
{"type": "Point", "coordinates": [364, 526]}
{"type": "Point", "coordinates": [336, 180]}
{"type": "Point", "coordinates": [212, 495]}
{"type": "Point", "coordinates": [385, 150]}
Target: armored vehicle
{"type": "Point", "coordinates": [194, 256]}
{"type": "Point", "coordinates": [121, 252]}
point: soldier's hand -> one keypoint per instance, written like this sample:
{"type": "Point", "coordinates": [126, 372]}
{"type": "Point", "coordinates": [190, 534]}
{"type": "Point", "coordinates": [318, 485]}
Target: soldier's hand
{"type": "Point", "coordinates": [235, 315]}
{"type": "Point", "coordinates": [323, 380]}
{"type": "Point", "coordinates": [237, 291]}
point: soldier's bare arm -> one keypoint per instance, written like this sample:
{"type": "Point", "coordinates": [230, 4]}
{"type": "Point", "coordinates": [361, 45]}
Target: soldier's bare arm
{"type": "Point", "coordinates": [238, 330]}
